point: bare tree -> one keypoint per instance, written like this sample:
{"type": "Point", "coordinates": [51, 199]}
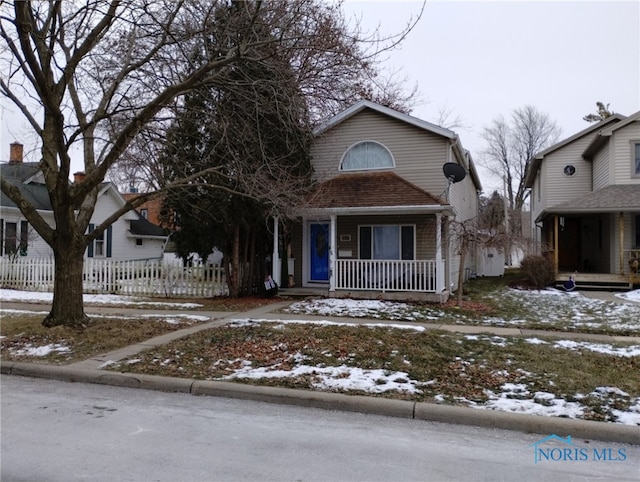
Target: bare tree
{"type": "Point", "coordinates": [511, 144]}
{"type": "Point", "coordinates": [97, 73]}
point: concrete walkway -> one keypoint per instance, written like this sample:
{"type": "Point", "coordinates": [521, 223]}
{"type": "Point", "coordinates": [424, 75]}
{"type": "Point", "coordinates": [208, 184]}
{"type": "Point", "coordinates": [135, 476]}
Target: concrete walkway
{"type": "Point", "coordinates": [88, 371]}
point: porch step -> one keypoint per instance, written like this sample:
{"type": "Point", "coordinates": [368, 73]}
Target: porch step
{"type": "Point", "coordinates": [597, 285]}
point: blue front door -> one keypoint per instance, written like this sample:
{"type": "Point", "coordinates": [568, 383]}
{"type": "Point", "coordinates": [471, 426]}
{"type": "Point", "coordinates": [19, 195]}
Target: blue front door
{"type": "Point", "coordinates": [319, 248]}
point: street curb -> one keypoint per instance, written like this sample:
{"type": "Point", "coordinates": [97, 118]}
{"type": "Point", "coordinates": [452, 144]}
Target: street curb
{"type": "Point", "coordinates": [609, 432]}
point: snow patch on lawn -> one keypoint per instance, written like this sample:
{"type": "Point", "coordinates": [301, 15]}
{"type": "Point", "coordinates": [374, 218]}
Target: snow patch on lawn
{"type": "Point", "coordinates": [41, 297]}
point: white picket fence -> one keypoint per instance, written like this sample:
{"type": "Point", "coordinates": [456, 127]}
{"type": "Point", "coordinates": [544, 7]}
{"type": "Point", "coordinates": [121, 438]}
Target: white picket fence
{"type": "Point", "coordinates": [101, 276]}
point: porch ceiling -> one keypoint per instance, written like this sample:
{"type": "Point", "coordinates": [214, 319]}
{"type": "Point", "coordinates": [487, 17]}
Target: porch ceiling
{"type": "Point", "coordinates": [606, 200]}
{"type": "Point", "coordinates": [372, 190]}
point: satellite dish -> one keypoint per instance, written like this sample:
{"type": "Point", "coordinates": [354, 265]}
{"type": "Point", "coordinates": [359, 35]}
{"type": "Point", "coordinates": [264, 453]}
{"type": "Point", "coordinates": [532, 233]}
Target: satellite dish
{"type": "Point", "coordinates": [454, 172]}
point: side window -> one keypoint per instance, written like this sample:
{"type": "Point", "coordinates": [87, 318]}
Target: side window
{"type": "Point", "coordinates": [365, 156]}
{"type": "Point", "coordinates": [10, 238]}
{"type": "Point", "coordinates": [101, 247]}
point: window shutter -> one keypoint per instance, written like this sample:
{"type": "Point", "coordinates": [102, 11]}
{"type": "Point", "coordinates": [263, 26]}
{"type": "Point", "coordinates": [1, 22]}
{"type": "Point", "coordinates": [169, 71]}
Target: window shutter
{"type": "Point", "coordinates": [24, 237]}
{"type": "Point", "coordinates": [109, 240]}
{"type": "Point", "coordinates": [90, 247]}
{"type": "Point", "coordinates": [365, 242]}
{"type": "Point", "coordinates": [1, 236]}
{"type": "Point", "coordinates": [407, 243]}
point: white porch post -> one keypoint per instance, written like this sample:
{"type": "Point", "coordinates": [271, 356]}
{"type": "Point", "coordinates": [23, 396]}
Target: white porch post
{"type": "Point", "coordinates": [333, 229]}
{"type": "Point", "coordinates": [275, 258]}
{"type": "Point", "coordinates": [439, 264]}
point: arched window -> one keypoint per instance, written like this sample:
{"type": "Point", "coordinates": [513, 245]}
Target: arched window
{"type": "Point", "coordinates": [366, 155]}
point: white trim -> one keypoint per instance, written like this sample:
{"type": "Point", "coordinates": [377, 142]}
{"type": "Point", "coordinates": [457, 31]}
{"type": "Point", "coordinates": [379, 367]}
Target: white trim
{"type": "Point", "coordinates": [367, 104]}
{"type": "Point", "coordinates": [322, 213]}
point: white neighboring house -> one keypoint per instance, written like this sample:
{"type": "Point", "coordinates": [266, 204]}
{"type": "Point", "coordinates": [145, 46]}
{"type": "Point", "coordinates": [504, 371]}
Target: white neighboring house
{"type": "Point", "coordinates": [131, 237]}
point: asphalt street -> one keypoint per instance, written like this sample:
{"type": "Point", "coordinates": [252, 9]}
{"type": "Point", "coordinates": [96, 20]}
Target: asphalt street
{"type": "Point", "coordinates": [59, 431]}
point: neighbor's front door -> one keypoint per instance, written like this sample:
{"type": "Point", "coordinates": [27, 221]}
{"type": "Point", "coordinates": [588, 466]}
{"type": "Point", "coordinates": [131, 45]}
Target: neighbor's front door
{"type": "Point", "coordinates": [569, 246]}
{"type": "Point", "coordinates": [319, 251]}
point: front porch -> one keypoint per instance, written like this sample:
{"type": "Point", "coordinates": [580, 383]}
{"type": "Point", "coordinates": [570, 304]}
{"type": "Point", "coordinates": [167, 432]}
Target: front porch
{"type": "Point", "coordinates": [399, 280]}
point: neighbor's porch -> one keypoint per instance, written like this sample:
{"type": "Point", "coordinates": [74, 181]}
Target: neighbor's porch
{"type": "Point", "coordinates": [596, 249]}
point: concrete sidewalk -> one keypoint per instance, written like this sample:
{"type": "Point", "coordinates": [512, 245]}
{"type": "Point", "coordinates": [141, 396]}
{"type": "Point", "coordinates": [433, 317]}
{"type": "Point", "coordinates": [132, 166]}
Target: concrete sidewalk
{"type": "Point", "coordinates": [88, 371]}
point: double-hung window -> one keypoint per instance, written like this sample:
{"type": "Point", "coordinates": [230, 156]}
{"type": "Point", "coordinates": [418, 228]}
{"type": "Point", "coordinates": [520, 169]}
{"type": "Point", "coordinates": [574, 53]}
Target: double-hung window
{"type": "Point", "coordinates": [101, 247]}
{"type": "Point", "coordinates": [387, 242]}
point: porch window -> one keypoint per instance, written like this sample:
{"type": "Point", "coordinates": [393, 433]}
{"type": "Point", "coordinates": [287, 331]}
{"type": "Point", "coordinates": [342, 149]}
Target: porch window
{"type": "Point", "coordinates": [387, 242]}
{"type": "Point", "coordinates": [366, 155]}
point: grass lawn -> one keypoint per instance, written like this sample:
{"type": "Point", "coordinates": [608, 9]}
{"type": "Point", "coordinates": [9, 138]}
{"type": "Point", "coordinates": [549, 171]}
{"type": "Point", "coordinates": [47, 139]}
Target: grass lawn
{"type": "Point", "coordinates": [546, 376]}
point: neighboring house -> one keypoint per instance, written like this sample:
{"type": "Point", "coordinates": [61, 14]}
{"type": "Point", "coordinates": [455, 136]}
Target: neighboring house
{"type": "Point", "coordinates": [130, 238]}
{"type": "Point", "coordinates": [585, 202]}
{"type": "Point", "coordinates": [376, 225]}
{"type": "Point", "coordinates": [150, 210]}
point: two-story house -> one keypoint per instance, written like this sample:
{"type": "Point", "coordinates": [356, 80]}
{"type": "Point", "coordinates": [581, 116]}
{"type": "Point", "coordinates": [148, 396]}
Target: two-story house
{"type": "Point", "coordinates": [131, 237]}
{"type": "Point", "coordinates": [378, 223]}
{"type": "Point", "coordinates": [585, 202]}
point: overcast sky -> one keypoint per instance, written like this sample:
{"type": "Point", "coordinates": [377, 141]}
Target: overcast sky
{"type": "Point", "coordinates": [482, 59]}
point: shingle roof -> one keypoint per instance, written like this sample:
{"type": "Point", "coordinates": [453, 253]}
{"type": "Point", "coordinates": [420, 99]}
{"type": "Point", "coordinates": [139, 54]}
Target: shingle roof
{"type": "Point", "coordinates": [608, 199]}
{"type": "Point", "coordinates": [142, 227]}
{"type": "Point", "coordinates": [373, 189]}
{"type": "Point", "coordinates": [20, 171]}
{"type": "Point", "coordinates": [17, 174]}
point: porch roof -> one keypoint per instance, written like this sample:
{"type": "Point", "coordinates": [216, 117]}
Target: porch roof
{"type": "Point", "coordinates": [606, 200]}
{"type": "Point", "coordinates": [372, 192]}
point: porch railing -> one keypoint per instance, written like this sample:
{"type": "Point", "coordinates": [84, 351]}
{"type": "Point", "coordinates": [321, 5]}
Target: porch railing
{"type": "Point", "coordinates": [386, 275]}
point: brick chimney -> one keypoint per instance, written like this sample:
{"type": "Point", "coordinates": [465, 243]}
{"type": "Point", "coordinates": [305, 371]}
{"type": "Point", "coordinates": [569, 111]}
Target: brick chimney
{"type": "Point", "coordinates": [78, 177]}
{"type": "Point", "coordinates": [15, 153]}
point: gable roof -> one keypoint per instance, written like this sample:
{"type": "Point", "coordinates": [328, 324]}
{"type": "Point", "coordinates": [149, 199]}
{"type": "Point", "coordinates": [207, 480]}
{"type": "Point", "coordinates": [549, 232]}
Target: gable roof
{"type": "Point", "coordinates": [367, 104]}
{"type": "Point", "coordinates": [536, 161]}
{"type": "Point", "coordinates": [22, 175]}
{"type": "Point", "coordinates": [601, 137]}
{"type": "Point", "coordinates": [463, 154]}
{"type": "Point", "coordinates": [18, 173]}
{"type": "Point", "coordinates": [373, 191]}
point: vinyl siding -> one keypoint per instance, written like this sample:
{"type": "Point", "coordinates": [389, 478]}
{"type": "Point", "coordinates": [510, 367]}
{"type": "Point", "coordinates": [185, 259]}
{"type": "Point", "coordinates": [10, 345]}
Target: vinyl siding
{"type": "Point", "coordinates": [621, 144]}
{"type": "Point", "coordinates": [601, 168]}
{"type": "Point", "coordinates": [425, 232]}
{"type": "Point", "coordinates": [124, 246]}
{"type": "Point", "coordinates": [559, 188]}
{"type": "Point", "coordinates": [36, 246]}
{"type": "Point", "coordinates": [418, 154]}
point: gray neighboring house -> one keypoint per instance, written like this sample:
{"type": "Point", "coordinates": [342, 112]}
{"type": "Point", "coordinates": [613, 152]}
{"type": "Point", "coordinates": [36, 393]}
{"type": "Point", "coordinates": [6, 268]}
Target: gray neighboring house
{"type": "Point", "coordinates": [376, 226]}
{"type": "Point", "coordinates": [130, 238]}
{"type": "Point", "coordinates": [585, 202]}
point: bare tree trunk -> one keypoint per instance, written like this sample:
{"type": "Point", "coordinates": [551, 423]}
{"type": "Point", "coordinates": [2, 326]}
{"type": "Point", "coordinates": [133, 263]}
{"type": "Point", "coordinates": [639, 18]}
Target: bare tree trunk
{"type": "Point", "coordinates": [463, 256]}
{"type": "Point", "coordinates": [67, 308]}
